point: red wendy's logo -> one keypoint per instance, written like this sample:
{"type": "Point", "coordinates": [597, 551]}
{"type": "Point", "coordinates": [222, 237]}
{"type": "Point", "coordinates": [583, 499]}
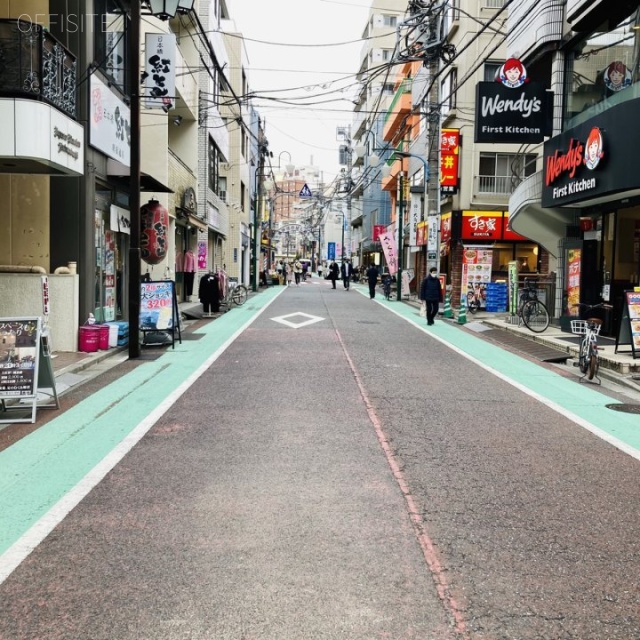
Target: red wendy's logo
{"type": "Point", "coordinates": [593, 151]}
{"type": "Point", "coordinates": [512, 74]}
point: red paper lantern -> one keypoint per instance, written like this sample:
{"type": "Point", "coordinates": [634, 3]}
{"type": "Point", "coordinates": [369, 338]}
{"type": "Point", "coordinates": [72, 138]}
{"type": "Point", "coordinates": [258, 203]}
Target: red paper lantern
{"type": "Point", "coordinates": [154, 232]}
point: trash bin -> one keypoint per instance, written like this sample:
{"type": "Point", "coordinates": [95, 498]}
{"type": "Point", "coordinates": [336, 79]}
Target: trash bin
{"type": "Point", "coordinates": [89, 339]}
{"type": "Point", "coordinates": [103, 337]}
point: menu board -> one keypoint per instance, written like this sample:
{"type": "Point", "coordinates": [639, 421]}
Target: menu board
{"type": "Point", "coordinates": [476, 274]}
{"type": "Point", "coordinates": [629, 330]}
{"type": "Point", "coordinates": [159, 309]}
{"type": "Point", "coordinates": [19, 341]}
{"type": "Point", "coordinates": [156, 305]}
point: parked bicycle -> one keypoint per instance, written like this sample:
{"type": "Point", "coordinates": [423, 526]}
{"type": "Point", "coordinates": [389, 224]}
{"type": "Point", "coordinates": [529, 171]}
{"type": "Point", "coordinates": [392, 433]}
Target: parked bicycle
{"type": "Point", "coordinates": [588, 356]}
{"type": "Point", "coordinates": [473, 301]}
{"type": "Point", "coordinates": [531, 310]}
{"type": "Point", "coordinates": [236, 294]}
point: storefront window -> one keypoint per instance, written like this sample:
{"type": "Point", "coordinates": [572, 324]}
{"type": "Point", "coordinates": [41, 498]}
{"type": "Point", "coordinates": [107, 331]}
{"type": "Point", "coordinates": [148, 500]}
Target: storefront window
{"type": "Point", "coordinates": [602, 71]}
{"type": "Point", "coordinates": [526, 255]}
{"type": "Point", "coordinates": [111, 243]}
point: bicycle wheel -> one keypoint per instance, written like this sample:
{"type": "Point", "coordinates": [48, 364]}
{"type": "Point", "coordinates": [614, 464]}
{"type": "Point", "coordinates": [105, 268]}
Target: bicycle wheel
{"type": "Point", "coordinates": [594, 365]}
{"type": "Point", "coordinates": [535, 316]}
{"type": "Point", "coordinates": [239, 294]}
{"type": "Point", "coordinates": [583, 356]}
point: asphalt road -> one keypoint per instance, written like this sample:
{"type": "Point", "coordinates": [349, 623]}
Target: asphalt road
{"type": "Point", "coordinates": [320, 465]}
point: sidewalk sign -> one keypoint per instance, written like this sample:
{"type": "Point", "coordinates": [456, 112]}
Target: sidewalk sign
{"type": "Point", "coordinates": [159, 310]}
{"type": "Point", "coordinates": [629, 329]}
{"type": "Point", "coordinates": [25, 368]}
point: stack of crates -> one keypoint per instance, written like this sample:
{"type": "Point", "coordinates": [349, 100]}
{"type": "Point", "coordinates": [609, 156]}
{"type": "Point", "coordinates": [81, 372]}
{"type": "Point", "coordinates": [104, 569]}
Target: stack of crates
{"type": "Point", "coordinates": [121, 333]}
{"type": "Point", "coordinates": [497, 296]}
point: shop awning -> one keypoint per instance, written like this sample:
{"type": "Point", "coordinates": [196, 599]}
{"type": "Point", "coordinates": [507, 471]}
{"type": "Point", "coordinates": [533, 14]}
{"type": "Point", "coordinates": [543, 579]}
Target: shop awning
{"type": "Point", "coordinates": [121, 174]}
{"type": "Point", "coordinates": [196, 222]}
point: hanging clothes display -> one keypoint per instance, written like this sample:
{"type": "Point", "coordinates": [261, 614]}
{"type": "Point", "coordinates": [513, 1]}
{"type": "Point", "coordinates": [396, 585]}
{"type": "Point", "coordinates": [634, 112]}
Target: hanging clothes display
{"type": "Point", "coordinates": [209, 293]}
{"type": "Point", "coordinates": [189, 267]}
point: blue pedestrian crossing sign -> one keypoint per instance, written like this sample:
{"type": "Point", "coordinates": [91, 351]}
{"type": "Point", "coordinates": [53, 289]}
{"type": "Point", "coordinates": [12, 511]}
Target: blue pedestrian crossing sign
{"type": "Point", "coordinates": [305, 192]}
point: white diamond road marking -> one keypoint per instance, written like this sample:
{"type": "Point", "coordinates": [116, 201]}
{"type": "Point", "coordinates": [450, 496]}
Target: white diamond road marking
{"type": "Point", "coordinates": [297, 324]}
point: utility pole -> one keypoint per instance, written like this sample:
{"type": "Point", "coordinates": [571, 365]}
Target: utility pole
{"type": "Point", "coordinates": [401, 182]}
{"type": "Point", "coordinates": [257, 223]}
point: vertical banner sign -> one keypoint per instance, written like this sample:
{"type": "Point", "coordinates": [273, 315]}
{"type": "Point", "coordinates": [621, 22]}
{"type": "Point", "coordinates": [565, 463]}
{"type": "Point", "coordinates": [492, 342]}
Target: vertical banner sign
{"type": "Point", "coordinates": [432, 237]}
{"type": "Point", "coordinates": [159, 76]}
{"type": "Point", "coordinates": [46, 303]}
{"type": "Point", "coordinates": [390, 249]}
{"type": "Point", "coordinates": [512, 275]}
{"type": "Point", "coordinates": [331, 250]}
{"type": "Point", "coordinates": [449, 159]}
{"type": "Point", "coordinates": [414, 219]}
{"type": "Point", "coordinates": [421, 233]}
{"type": "Point", "coordinates": [574, 260]}
{"type": "Point", "coordinates": [377, 230]}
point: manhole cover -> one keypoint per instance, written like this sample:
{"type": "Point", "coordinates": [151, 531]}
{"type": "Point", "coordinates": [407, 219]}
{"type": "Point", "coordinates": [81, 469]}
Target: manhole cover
{"type": "Point", "coordinates": [625, 408]}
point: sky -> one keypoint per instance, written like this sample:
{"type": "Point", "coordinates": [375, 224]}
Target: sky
{"type": "Point", "coordinates": [319, 77]}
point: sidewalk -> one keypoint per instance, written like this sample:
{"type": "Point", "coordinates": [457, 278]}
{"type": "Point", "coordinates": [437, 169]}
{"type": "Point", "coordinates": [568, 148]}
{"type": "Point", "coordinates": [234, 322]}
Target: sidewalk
{"type": "Point", "coordinates": [619, 367]}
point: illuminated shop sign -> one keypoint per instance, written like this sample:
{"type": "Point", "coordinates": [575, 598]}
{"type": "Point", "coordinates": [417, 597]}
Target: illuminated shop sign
{"type": "Point", "coordinates": [512, 109]}
{"type": "Point", "coordinates": [449, 160]}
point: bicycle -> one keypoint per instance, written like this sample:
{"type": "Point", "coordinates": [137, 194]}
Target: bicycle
{"type": "Point", "coordinates": [236, 293]}
{"type": "Point", "coordinates": [588, 356]}
{"type": "Point", "coordinates": [531, 311]}
{"type": "Point", "coordinates": [386, 288]}
{"type": "Point", "coordinates": [473, 301]}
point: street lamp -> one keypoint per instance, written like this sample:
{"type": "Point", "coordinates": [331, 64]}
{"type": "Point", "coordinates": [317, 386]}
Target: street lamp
{"type": "Point", "coordinates": [163, 9]}
{"type": "Point", "coordinates": [374, 161]}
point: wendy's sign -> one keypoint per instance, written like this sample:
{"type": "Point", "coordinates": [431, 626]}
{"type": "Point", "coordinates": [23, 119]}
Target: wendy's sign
{"type": "Point", "coordinates": [512, 109]}
{"type": "Point", "coordinates": [594, 160]}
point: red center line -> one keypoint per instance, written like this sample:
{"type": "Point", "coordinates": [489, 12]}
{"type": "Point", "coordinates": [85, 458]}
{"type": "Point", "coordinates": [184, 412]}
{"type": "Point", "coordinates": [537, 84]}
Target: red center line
{"type": "Point", "coordinates": [428, 549]}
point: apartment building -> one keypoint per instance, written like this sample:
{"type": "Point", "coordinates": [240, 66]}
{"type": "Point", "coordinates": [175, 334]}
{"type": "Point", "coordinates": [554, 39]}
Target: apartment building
{"type": "Point", "coordinates": [582, 202]}
{"type": "Point", "coordinates": [66, 187]}
{"type": "Point", "coordinates": [370, 206]}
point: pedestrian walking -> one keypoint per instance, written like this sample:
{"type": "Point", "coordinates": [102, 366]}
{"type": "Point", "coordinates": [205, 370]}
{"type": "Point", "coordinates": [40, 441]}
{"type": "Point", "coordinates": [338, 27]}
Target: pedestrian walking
{"type": "Point", "coordinates": [319, 269]}
{"type": "Point", "coordinates": [297, 271]}
{"type": "Point", "coordinates": [346, 271]}
{"type": "Point", "coordinates": [372, 279]}
{"type": "Point", "coordinates": [431, 293]}
{"type": "Point", "coordinates": [288, 271]}
{"type": "Point", "coordinates": [334, 273]}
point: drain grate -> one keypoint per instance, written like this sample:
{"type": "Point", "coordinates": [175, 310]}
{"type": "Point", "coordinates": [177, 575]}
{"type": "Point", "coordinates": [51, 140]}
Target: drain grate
{"type": "Point", "coordinates": [625, 408]}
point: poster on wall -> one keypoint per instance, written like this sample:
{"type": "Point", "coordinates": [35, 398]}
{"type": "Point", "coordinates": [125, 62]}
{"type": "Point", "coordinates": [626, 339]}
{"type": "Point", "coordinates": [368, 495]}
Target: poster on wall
{"type": "Point", "coordinates": [476, 274]}
{"type": "Point", "coordinates": [574, 260]}
{"type": "Point", "coordinates": [202, 255]}
{"type": "Point", "coordinates": [629, 331]}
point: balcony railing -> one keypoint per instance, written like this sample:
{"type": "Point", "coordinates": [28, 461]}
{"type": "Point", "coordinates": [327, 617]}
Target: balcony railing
{"type": "Point", "coordinates": [496, 185]}
{"type": "Point", "coordinates": [33, 64]}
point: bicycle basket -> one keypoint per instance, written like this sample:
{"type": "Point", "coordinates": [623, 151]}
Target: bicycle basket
{"type": "Point", "coordinates": [579, 327]}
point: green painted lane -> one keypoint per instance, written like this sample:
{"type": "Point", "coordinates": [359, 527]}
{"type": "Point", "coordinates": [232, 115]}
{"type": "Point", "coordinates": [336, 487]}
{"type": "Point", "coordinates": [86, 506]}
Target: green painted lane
{"type": "Point", "coordinates": [582, 403]}
{"type": "Point", "coordinates": [38, 470]}
{"type": "Point", "coordinates": [42, 469]}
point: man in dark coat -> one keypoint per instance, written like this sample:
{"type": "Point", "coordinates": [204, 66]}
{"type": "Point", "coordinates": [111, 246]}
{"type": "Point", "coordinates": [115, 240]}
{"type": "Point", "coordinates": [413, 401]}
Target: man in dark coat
{"type": "Point", "coordinates": [372, 279]}
{"type": "Point", "coordinates": [346, 271]}
{"type": "Point", "coordinates": [431, 293]}
{"type": "Point", "coordinates": [334, 273]}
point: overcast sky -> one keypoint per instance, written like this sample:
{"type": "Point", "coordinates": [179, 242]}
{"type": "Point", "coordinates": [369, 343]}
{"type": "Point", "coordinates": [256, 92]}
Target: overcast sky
{"type": "Point", "coordinates": [319, 77]}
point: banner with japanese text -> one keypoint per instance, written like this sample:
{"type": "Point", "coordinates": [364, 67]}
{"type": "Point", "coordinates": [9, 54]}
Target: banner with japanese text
{"type": "Point", "coordinates": [449, 159]}
{"type": "Point", "coordinates": [415, 213]}
{"type": "Point", "coordinates": [390, 250]}
{"type": "Point", "coordinates": [159, 76]}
